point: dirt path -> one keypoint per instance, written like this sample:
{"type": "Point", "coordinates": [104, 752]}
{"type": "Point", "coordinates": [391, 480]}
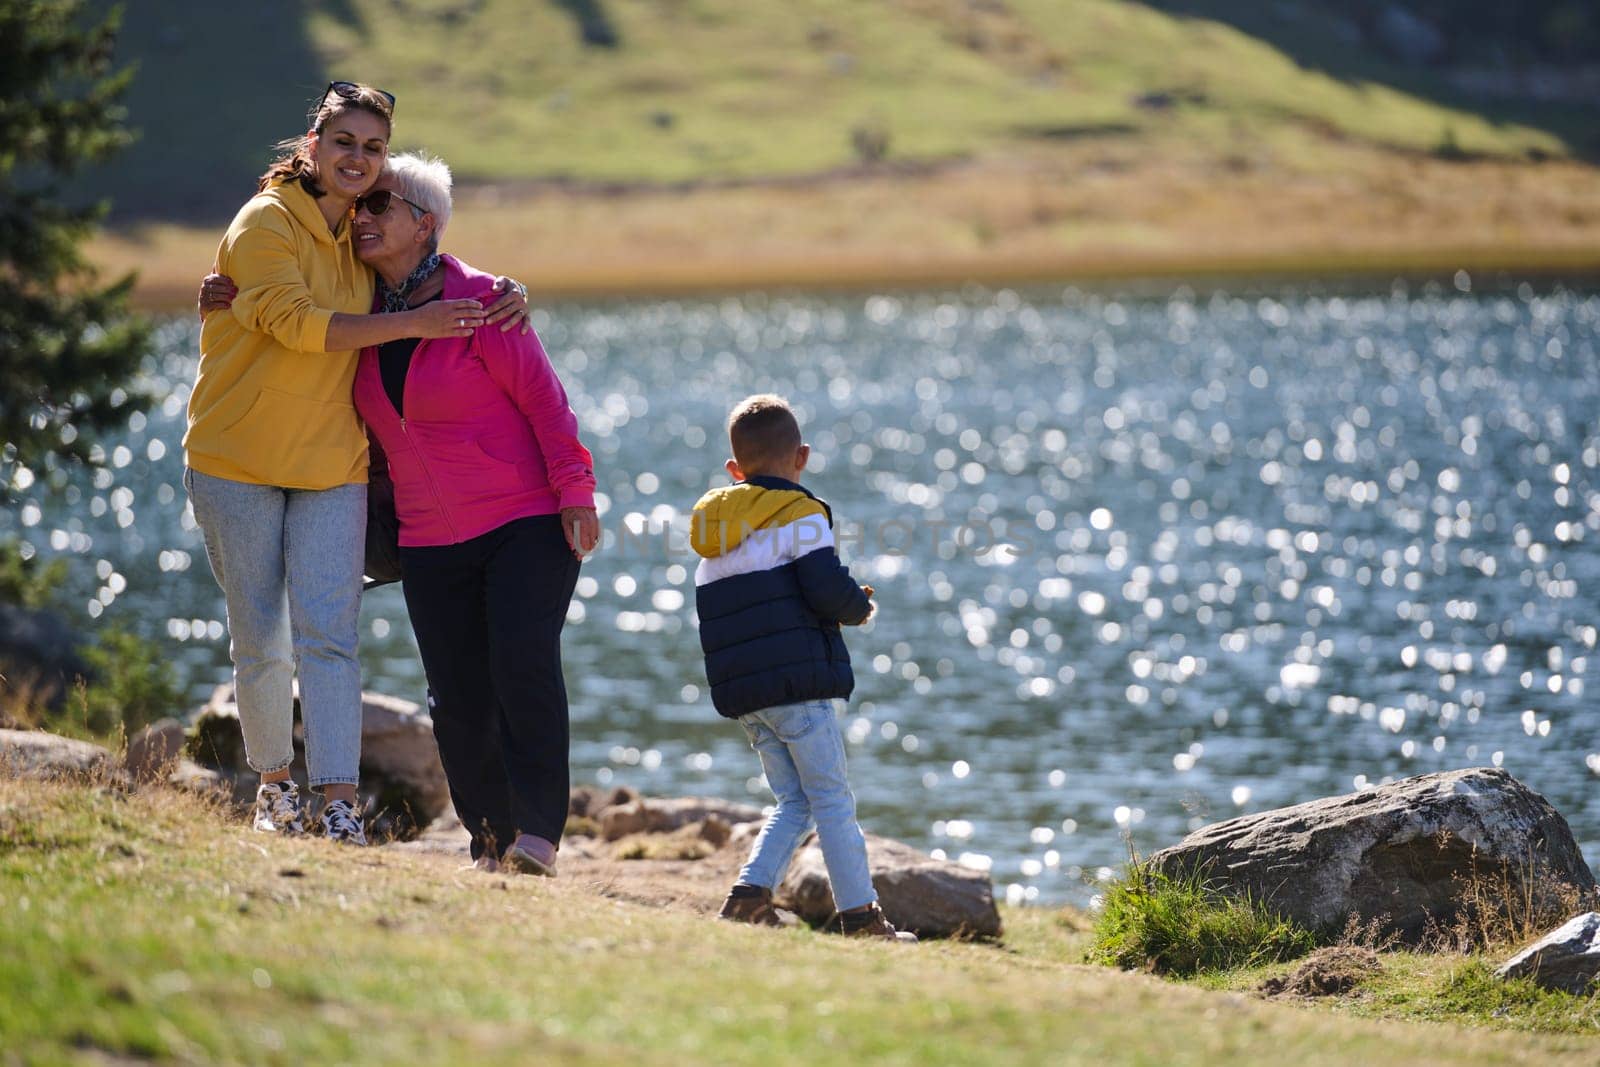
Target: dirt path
{"type": "Point", "coordinates": [696, 885]}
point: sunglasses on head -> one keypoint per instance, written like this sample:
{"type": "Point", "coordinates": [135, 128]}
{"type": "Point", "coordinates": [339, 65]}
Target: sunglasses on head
{"type": "Point", "coordinates": [377, 202]}
{"type": "Point", "coordinates": [351, 91]}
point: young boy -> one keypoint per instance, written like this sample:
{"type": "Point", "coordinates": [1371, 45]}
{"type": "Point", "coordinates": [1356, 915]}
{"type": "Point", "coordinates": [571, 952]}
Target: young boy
{"type": "Point", "coordinates": [771, 593]}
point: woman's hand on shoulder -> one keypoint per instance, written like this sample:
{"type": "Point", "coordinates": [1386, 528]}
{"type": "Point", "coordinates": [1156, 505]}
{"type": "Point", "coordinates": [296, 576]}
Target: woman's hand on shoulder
{"type": "Point", "coordinates": [582, 527]}
{"type": "Point", "coordinates": [511, 309]}
{"type": "Point", "coordinates": [446, 318]}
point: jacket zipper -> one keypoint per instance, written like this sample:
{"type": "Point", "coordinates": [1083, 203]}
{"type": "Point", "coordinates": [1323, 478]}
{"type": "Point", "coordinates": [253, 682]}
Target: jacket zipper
{"type": "Point", "coordinates": [433, 486]}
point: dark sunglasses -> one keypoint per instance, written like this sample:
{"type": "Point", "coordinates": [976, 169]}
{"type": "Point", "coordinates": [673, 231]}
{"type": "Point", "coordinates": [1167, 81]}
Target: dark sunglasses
{"type": "Point", "coordinates": [377, 202]}
{"type": "Point", "coordinates": [351, 91]}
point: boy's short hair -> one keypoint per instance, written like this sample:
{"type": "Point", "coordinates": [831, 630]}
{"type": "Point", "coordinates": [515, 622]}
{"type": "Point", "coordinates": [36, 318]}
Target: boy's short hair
{"type": "Point", "coordinates": [762, 430]}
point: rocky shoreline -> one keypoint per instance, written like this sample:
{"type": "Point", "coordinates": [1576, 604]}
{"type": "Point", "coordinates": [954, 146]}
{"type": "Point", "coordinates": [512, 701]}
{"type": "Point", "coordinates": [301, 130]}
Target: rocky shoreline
{"type": "Point", "coordinates": [675, 852]}
{"type": "Point", "coordinates": [1411, 862]}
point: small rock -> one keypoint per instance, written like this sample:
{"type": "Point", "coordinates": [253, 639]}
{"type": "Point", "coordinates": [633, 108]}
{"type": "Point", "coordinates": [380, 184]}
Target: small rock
{"type": "Point", "coordinates": [929, 897]}
{"type": "Point", "coordinates": [191, 777]}
{"type": "Point", "coordinates": [591, 800]}
{"type": "Point", "coordinates": [1567, 958]}
{"type": "Point", "coordinates": [35, 754]}
{"type": "Point", "coordinates": [155, 750]}
{"type": "Point", "coordinates": [692, 841]}
{"type": "Point", "coordinates": [651, 816]}
{"type": "Point", "coordinates": [715, 831]}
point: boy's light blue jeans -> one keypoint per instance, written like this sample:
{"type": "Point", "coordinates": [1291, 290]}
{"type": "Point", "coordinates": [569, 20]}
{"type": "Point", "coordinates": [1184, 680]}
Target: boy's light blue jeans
{"type": "Point", "coordinates": [802, 751]}
{"type": "Point", "coordinates": [289, 562]}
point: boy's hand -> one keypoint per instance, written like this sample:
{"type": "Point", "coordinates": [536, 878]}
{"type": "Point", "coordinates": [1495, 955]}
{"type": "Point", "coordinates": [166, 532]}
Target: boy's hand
{"type": "Point", "coordinates": [872, 608]}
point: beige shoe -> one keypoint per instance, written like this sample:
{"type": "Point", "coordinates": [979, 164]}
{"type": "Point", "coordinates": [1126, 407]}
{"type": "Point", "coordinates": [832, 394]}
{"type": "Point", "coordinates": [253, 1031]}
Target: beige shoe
{"type": "Point", "coordinates": [531, 855]}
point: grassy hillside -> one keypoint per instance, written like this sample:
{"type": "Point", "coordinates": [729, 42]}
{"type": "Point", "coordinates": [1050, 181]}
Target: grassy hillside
{"type": "Point", "coordinates": [150, 927]}
{"type": "Point", "coordinates": [705, 89]}
{"type": "Point", "coordinates": [633, 146]}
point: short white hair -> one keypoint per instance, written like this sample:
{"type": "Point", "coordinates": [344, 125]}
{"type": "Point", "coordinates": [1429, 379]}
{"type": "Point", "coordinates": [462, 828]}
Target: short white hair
{"type": "Point", "coordinates": [425, 180]}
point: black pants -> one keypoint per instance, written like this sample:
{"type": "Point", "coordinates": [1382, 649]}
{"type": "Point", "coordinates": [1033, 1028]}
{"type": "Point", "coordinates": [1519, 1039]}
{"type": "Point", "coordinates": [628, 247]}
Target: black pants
{"type": "Point", "coordinates": [488, 615]}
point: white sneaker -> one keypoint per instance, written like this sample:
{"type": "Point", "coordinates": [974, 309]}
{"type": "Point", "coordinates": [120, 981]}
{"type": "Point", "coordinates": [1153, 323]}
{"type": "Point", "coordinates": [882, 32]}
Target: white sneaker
{"type": "Point", "coordinates": [341, 822]}
{"type": "Point", "coordinates": [278, 808]}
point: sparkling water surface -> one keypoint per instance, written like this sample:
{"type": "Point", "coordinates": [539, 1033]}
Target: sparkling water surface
{"type": "Point", "coordinates": [1143, 561]}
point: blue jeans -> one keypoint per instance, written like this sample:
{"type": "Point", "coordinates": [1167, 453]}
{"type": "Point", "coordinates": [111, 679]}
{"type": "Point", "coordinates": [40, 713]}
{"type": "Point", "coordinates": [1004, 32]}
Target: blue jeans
{"type": "Point", "coordinates": [289, 563]}
{"type": "Point", "coordinates": [802, 751]}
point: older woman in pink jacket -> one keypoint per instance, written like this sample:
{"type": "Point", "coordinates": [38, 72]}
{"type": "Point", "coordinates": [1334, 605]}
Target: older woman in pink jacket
{"type": "Point", "coordinates": [495, 497]}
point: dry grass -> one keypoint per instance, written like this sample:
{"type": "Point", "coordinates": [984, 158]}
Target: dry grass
{"type": "Point", "coordinates": [1504, 908]}
{"type": "Point", "coordinates": [1091, 210]}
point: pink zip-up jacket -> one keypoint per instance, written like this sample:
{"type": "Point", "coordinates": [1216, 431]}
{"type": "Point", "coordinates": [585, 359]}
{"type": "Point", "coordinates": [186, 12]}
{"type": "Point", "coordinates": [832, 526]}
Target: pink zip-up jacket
{"type": "Point", "coordinates": [487, 435]}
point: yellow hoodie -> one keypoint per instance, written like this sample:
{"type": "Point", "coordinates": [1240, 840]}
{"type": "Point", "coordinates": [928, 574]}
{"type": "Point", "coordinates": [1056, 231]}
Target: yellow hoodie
{"type": "Point", "coordinates": [271, 405]}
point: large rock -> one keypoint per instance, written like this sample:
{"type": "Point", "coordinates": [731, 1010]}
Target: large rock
{"type": "Point", "coordinates": [216, 739]}
{"type": "Point", "coordinates": [1404, 855]}
{"type": "Point", "coordinates": [1566, 959]}
{"type": "Point", "coordinates": [400, 759]}
{"type": "Point", "coordinates": [154, 751]}
{"type": "Point", "coordinates": [401, 775]}
{"type": "Point", "coordinates": [929, 897]}
{"type": "Point", "coordinates": [34, 754]}
{"type": "Point", "coordinates": [649, 815]}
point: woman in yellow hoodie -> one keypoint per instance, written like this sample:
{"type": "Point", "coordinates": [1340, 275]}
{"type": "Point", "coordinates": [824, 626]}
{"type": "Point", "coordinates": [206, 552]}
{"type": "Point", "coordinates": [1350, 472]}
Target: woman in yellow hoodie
{"type": "Point", "coordinates": [277, 459]}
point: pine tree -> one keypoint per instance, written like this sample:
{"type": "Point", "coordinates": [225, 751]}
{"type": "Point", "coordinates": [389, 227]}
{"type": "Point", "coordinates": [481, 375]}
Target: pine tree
{"type": "Point", "coordinates": [68, 345]}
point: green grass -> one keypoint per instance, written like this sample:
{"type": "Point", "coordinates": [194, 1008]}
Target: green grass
{"type": "Point", "coordinates": [1179, 925]}
{"type": "Point", "coordinates": [1443, 989]}
{"type": "Point", "coordinates": [152, 926]}
{"type": "Point", "coordinates": [714, 89]}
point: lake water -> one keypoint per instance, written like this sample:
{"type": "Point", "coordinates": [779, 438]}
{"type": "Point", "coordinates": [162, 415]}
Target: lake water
{"type": "Point", "coordinates": [1143, 561]}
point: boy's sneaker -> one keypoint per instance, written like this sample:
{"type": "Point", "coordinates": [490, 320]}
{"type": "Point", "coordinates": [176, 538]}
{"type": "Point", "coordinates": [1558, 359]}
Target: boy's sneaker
{"type": "Point", "coordinates": [341, 822]}
{"type": "Point", "coordinates": [277, 808]}
{"type": "Point", "coordinates": [753, 904]}
{"type": "Point", "coordinates": [870, 921]}
{"type": "Point", "coordinates": [531, 855]}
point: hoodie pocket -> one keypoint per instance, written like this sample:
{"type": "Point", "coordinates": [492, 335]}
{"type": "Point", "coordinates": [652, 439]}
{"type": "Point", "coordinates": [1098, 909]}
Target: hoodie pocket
{"type": "Point", "coordinates": [294, 440]}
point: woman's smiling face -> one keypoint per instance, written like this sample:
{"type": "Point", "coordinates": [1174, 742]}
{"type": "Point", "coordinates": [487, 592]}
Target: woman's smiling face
{"type": "Point", "coordinates": [396, 235]}
{"type": "Point", "coordinates": [349, 152]}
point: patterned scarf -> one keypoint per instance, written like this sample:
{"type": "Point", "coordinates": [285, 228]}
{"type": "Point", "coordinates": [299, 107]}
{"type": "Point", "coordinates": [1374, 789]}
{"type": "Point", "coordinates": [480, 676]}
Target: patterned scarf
{"type": "Point", "coordinates": [395, 299]}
